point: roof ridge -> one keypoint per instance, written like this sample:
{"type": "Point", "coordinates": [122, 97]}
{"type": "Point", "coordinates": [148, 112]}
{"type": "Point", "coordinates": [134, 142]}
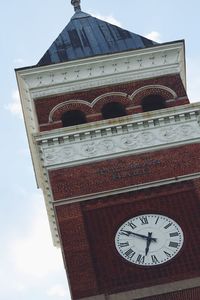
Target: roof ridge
{"type": "Point", "coordinates": [80, 14]}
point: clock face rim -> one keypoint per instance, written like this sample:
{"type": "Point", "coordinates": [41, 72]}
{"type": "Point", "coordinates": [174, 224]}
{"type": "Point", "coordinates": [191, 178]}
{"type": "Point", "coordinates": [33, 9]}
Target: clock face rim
{"type": "Point", "coordinates": [155, 263]}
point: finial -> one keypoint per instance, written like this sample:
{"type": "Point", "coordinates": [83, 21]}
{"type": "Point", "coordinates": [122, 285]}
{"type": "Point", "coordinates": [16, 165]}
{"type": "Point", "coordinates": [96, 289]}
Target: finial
{"type": "Point", "coordinates": [76, 4]}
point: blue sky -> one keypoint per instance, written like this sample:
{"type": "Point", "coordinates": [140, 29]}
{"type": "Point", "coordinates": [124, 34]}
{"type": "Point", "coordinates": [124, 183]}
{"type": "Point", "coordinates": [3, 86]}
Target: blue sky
{"type": "Point", "coordinates": [31, 268]}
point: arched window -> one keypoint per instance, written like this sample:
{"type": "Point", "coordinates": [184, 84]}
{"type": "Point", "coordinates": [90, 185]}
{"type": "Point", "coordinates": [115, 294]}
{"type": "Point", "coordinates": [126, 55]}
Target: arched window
{"type": "Point", "coordinates": [153, 102]}
{"type": "Point", "coordinates": [113, 110]}
{"type": "Point", "coordinates": [73, 117]}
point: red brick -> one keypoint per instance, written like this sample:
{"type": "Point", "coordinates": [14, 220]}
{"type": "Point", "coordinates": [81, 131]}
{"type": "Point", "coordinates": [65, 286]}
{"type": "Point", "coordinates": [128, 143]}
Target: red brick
{"type": "Point", "coordinates": [45, 105]}
{"type": "Point", "coordinates": [125, 171]}
{"type": "Point", "coordinates": [88, 229]}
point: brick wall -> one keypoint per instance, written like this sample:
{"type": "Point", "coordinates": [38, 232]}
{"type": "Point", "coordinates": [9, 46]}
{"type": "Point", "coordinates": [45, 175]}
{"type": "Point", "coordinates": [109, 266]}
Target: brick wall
{"type": "Point", "coordinates": [125, 171]}
{"type": "Point", "coordinates": [77, 258]}
{"type": "Point", "coordinates": [88, 229]}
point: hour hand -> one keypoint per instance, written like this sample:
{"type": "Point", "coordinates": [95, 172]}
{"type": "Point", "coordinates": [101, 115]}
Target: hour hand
{"type": "Point", "coordinates": [127, 232]}
{"type": "Point", "coordinates": [149, 240]}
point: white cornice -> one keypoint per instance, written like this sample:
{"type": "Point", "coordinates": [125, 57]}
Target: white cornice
{"type": "Point", "coordinates": [114, 140]}
{"type": "Point", "coordinates": [104, 70]}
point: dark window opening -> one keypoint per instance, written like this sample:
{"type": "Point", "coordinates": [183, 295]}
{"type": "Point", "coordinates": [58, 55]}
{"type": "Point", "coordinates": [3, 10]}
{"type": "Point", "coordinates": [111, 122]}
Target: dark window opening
{"type": "Point", "coordinates": [153, 102]}
{"type": "Point", "coordinates": [73, 117]}
{"type": "Point", "coordinates": [113, 110]}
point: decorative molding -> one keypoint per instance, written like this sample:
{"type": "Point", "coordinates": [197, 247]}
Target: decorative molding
{"type": "Point", "coordinates": [70, 153]}
{"type": "Point", "coordinates": [106, 95]}
{"type": "Point", "coordinates": [68, 102]}
{"type": "Point", "coordinates": [83, 102]}
{"type": "Point", "coordinates": [109, 79]}
{"type": "Point", "coordinates": [155, 86]}
{"type": "Point", "coordinates": [99, 98]}
{"type": "Point", "coordinates": [120, 139]}
{"type": "Point", "coordinates": [104, 70]}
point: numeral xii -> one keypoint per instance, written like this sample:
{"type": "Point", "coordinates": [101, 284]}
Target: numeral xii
{"type": "Point", "coordinates": [144, 220]}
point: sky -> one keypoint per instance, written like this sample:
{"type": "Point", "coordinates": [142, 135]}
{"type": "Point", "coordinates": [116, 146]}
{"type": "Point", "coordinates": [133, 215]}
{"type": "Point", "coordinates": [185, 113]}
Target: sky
{"type": "Point", "coordinates": [30, 266]}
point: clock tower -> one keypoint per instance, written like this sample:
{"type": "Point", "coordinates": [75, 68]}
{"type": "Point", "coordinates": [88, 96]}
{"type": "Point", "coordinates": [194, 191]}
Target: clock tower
{"type": "Point", "coordinates": [115, 145]}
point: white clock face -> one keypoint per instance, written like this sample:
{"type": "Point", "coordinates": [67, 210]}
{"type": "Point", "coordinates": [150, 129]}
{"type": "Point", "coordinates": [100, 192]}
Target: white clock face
{"type": "Point", "coordinates": [149, 239]}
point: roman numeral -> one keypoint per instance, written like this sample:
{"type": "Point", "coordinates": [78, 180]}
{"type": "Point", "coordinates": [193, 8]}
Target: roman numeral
{"type": "Point", "coordinates": [140, 259]}
{"type": "Point", "coordinates": [157, 220]}
{"type": "Point", "coordinates": [129, 253]}
{"type": "Point", "coordinates": [168, 225]}
{"type": "Point", "coordinates": [173, 244]}
{"type": "Point", "coordinates": [144, 220]}
{"type": "Point", "coordinates": [124, 244]}
{"type": "Point", "coordinates": [124, 232]}
{"type": "Point", "coordinates": [172, 234]}
{"type": "Point", "coordinates": [154, 259]}
{"type": "Point", "coordinates": [167, 254]}
{"type": "Point", "coordinates": [133, 226]}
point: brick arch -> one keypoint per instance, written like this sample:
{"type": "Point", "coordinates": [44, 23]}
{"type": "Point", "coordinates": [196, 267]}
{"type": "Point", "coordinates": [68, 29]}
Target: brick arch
{"type": "Point", "coordinates": [100, 101]}
{"type": "Point", "coordinates": [56, 113]}
{"type": "Point", "coordinates": [165, 92]}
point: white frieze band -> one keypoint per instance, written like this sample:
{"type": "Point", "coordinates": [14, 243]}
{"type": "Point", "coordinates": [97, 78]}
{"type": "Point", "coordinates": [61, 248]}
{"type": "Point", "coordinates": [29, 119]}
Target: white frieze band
{"type": "Point", "coordinates": [117, 144]}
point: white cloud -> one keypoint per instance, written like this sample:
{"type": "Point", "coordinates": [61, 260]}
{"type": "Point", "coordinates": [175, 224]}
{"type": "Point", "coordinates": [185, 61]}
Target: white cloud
{"type": "Point", "coordinates": [19, 287]}
{"type": "Point", "coordinates": [58, 290]}
{"type": "Point", "coordinates": [19, 61]}
{"type": "Point", "coordinates": [154, 36]}
{"type": "Point", "coordinates": [14, 107]}
{"type": "Point", "coordinates": [34, 254]}
{"type": "Point", "coordinates": [29, 261]}
{"type": "Point", "coordinates": [109, 19]}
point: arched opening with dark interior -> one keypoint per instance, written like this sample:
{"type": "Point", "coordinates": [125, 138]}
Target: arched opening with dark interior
{"type": "Point", "coordinates": [153, 102]}
{"type": "Point", "coordinates": [73, 117]}
{"type": "Point", "coordinates": [113, 110]}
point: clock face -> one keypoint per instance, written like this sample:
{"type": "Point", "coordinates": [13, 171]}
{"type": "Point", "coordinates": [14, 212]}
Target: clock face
{"type": "Point", "coordinates": [149, 239]}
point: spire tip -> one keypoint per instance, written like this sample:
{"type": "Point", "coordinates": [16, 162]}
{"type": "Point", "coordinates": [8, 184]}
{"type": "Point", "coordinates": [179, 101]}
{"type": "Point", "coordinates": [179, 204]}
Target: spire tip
{"type": "Point", "coordinates": [76, 4]}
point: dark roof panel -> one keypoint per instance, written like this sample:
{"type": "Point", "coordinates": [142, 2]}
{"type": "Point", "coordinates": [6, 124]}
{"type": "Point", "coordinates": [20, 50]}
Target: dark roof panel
{"type": "Point", "coordinates": [86, 36]}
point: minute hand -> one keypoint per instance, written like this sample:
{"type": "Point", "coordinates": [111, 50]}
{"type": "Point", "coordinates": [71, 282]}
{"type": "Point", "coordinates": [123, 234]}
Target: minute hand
{"type": "Point", "coordinates": [140, 235]}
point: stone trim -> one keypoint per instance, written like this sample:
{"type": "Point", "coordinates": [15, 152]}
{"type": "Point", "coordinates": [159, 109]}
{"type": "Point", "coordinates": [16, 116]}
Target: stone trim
{"type": "Point", "coordinates": [110, 141]}
{"type": "Point", "coordinates": [105, 70]}
{"type": "Point", "coordinates": [150, 291]}
{"type": "Point", "coordinates": [157, 290]}
{"type": "Point", "coordinates": [153, 86]}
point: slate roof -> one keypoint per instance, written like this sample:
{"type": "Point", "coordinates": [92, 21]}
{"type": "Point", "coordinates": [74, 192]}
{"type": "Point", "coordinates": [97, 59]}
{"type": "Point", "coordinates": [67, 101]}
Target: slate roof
{"type": "Point", "coordinates": [87, 36]}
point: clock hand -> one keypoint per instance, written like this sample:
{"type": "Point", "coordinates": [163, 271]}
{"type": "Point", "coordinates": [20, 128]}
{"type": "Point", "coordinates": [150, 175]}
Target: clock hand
{"type": "Point", "coordinates": [149, 240]}
{"type": "Point", "coordinates": [126, 232]}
